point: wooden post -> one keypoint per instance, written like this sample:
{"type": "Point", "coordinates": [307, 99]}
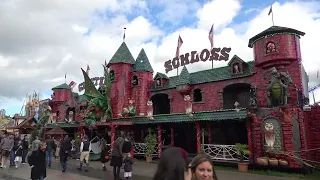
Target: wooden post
{"type": "Point", "coordinates": [209, 133]}
{"type": "Point", "coordinates": [250, 146]}
{"type": "Point", "coordinates": [198, 137]}
{"type": "Point", "coordinates": [159, 140]}
{"type": "Point", "coordinates": [113, 131]}
{"type": "Point", "coordinates": [172, 137]}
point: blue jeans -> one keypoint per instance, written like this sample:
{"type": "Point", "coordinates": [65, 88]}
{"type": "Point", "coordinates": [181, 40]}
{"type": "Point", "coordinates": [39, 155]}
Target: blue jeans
{"type": "Point", "coordinates": [24, 155]}
{"type": "Point", "coordinates": [48, 157]}
{"type": "Point", "coordinates": [41, 178]}
{"type": "Point", "coordinates": [63, 160]}
{"type": "Point", "coordinates": [12, 156]}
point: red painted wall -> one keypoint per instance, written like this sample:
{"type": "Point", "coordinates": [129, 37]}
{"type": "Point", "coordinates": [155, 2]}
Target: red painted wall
{"type": "Point", "coordinates": [121, 87]}
{"type": "Point", "coordinates": [312, 125]}
{"type": "Point", "coordinates": [141, 92]}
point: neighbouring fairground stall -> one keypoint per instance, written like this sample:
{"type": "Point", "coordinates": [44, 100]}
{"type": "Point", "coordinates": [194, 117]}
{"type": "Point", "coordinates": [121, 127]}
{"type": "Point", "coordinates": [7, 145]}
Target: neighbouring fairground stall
{"type": "Point", "coordinates": [259, 105]}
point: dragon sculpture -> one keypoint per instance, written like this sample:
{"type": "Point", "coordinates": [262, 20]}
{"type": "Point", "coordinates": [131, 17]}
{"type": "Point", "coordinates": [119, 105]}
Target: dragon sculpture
{"type": "Point", "coordinates": [99, 107]}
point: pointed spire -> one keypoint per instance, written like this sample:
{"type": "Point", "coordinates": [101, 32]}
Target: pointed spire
{"type": "Point", "coordinates": [142, 63]}
{"type": "Point", "coordinates": [184, 77]}
{"type": "Point", "coordinates": [122, 55]}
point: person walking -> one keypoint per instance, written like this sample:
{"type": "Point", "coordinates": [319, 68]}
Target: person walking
{"type": "Point", "coordinates": [77, 144]}
{"type": "Point", "coordinates": [116, 156]}
{"type": "Point", "coordinates": [25, 148]}
{"type": "Point", "coordinates": [17, 149]}
{"type": "Point", "coordinates": [16, 139]}
{"type": "Point", "coordinates": [104, 156]}
{"type": "Point", "coordinates": [64, 152]}
{"type": "Point", "coordinates": [37, 162]}
{"type": "Point", "coordinates": [35, 144]}
{"type": "Point", "coordinates": [6, 147]}
{"type": "Point", "coordinates": [50, 147]}
{"type": "Point", "coordinates": [128, 167]}
{"type": "Point", "coordinates": [85, 149]}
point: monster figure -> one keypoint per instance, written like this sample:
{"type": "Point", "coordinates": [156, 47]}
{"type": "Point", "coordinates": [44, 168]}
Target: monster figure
{"type": "Point", "coordinates": [277, 93]}
{"type": "Point", "coordinates": [45, 117]}
{"type": "Point", "coordinates": [99, 108]}
{"type": "Point", "coordinates": [130, 110]}
{"type": "Point", "coordinates": [150, 110]}
{"type": "Point", "coordinates": [188, 105]}
{"type": "Point", "coordinates": [269, 135]}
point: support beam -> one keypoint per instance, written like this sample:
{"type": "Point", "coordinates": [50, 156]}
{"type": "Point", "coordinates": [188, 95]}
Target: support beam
{"type": "Point", "coordinates": [198, 137]}
{"type": "Point", "coordinates": [171, 137]}
{"type": "Point", "coordinates": [159, 140]}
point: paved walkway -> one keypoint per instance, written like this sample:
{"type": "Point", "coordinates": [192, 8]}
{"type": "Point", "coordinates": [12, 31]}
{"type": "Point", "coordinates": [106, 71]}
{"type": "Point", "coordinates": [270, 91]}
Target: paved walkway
{"type": "Point", "coordinates": [142, 171]}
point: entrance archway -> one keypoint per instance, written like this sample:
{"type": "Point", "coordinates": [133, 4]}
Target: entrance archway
{"type": "Point", "coordinates": [236, 92]}
{"type": "Point", "coordinates": [161, 104]}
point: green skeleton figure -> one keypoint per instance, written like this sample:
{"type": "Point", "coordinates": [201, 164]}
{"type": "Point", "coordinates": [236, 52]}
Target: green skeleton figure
{"type": "Point", "coordinates": [99, 107]}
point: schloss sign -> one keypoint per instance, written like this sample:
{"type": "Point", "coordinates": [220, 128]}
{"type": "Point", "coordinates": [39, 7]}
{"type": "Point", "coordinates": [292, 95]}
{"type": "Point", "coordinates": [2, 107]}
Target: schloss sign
{"type": "Point", "coordinates": [216, 54]}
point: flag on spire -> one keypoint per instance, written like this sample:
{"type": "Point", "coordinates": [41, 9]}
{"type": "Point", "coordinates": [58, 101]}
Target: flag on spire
{"type": "Point", "coordinates": [318, 74]}
{"type": "Point", "coordinates": [105, 63]}
{"type": "Point", "coordinates": [88, 69]}
{"type": "Point", "coordinates": [180, 42]}
{"type": "Point", "coordinates": [124, 34]}
{"type": "Point", "coordinates": [270, 11]}
{"type": "Point", "coordinates": [211, 36]}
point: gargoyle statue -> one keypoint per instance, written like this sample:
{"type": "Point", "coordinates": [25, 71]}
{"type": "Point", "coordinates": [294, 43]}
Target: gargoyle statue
{"type": "Point", "coordinates": [188, 105]}
{"type": "Point", "coordinates": [150, 110]}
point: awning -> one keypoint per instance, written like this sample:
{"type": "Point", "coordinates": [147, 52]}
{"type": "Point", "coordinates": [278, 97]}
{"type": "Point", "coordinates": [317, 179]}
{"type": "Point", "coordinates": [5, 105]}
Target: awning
{"type": "Point", "coordinates": [220, 115]}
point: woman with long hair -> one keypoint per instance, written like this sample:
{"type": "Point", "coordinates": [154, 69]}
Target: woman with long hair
{"type": "Point", "coordinates": [201, 168]}
{"type": "Point", "coordinates": [172, 165]}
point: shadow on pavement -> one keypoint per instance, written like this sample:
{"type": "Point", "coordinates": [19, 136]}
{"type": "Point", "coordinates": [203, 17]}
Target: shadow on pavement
{"type": "Point", "coordinates": [95, 173]}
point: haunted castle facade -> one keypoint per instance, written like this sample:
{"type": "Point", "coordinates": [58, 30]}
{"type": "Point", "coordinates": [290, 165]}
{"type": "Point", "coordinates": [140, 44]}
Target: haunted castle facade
{"type": "Point", "coordinates": [258, 103]}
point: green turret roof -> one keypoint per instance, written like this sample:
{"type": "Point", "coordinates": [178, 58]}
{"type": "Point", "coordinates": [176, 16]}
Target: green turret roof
{"type": "Point", "coordinates": [274, 30]}
{"type": "Point", "coordinates": [184, 77]}
{"type": "Point", "coordinates": [62, 86]}
{"type": "Point", "coordinates": [142, 63]}
{"type": "Point", "coordinates": [122, 55]}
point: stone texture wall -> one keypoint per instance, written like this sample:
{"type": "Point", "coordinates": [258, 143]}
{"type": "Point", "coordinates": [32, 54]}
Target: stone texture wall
{"type": "Point", "coordinates": [312, 127]}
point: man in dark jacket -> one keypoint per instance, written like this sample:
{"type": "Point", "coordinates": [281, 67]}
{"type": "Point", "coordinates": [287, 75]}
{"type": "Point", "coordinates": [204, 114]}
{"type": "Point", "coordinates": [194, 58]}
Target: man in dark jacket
{"type": "Point", "coordinates": [50, 147]}
{"type": "Point", "coordinates": [116, 156]}
{"type": "Point", "coordinates": [65, 149]}
{"type": "Point", "coordinates": [25, 148]}
{"type": "Point", "coordinates": [37, 162]}
{"type": "Point", "coordinates": [85, 149]}
{"type": "Point", "coordinates": [12, 153]}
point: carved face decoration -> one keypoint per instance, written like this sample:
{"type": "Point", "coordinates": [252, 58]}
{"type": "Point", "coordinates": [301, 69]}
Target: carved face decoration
{"type": "Point", "coordinates": [268, 126]}
{"type": "Point", "coordinates": [236, 68]}
{"type": "Point", "coordinates": [149, 103]}
{"type": "Point", "coordinates": [187, 98]}
{"type": "Point", "coordinates": [271, 47]}
{"type": "Point", "coordinates": [131, 102]}
{"type": "Point", "coordinates": [158, 82]}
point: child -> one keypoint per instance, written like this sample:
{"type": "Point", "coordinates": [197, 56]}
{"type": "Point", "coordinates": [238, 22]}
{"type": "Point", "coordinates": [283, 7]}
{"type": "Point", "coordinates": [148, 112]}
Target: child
{"type": "Point", "coordinates": [18, 153]}
{"type": "Point", "coordinates": [128, 166]}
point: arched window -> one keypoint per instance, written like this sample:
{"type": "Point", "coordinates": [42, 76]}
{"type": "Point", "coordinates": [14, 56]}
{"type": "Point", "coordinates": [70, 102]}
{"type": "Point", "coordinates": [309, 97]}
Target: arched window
{"type": "Point", "coordinates": [112, 75]}
{"type": "Point", "coordinates": [197, 95]}
{"type": "Point", "coordinates": [236, 68]}
{"type": "Point", "coordinates": [135, 80]}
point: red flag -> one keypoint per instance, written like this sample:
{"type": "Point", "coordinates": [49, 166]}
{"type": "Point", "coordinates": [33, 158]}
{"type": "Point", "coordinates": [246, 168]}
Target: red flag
{"type": "Point", "coordinates": [65, 75]}
{"type": "Point", "coordinates": [270, 11]}
{"type": "Point", "coordinates": [180, 42]}
{"type": "Point", "coordinates": [72, 84]}
{"type": "Point", "coordinates": [211, 36]}
{"type": "Point", "coordinates": [88, 69]}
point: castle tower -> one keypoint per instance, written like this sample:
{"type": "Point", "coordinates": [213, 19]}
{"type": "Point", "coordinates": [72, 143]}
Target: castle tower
{"type": "Point", "coordinates": [141, 81]}
{"type": "Point", "coordinates": [279, 48]}
{"type": "Point", "coordinates": [120, 67]}
{"type": "Point", "coordinates": [61, 95]}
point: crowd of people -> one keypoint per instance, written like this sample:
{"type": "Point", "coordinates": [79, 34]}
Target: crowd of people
{"type": "Point", "coordinates": [174, 163]}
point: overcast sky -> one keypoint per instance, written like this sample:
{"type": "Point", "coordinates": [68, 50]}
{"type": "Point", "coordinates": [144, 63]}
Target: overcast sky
{"type": "Point", "coordinates": [40, 42]}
